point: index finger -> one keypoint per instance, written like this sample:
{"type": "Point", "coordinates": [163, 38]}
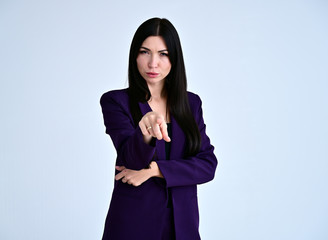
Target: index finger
{"type": "Point", "coordinates": [163, 128]}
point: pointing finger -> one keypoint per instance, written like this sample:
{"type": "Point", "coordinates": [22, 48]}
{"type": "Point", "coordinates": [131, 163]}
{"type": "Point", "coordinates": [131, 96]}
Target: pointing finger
{"type": "Point", "coordinates": [165, 134]}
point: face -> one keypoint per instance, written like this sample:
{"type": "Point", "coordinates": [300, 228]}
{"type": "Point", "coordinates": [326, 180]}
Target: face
{"type": "Point", "coordinates": [153, 61]}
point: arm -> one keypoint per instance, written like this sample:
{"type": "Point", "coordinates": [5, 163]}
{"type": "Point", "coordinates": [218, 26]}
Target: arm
{"type": "Point", "coordinates": [132, 151]}
{"type": "Point", "coordinates": [196, 169]}
{"type": "Point", "coordinates": [137, 177]}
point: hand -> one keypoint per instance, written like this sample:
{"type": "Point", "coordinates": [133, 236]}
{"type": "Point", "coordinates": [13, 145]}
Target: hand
{"type": "Point", "coordinates": [153, 125]}
{"type": "Point", "coordinates": [132, 177]}
{"type": "Point", "coordinates": [138, 177]}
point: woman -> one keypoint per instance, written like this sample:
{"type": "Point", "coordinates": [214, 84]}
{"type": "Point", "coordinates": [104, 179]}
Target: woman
{"type": "Point", "coordinates": [163, 151]}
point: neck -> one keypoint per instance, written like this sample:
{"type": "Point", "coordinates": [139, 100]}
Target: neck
{"type": "Point", "coordinates": [156, 91]}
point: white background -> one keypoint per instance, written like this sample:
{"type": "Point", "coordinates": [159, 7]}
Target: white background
{"type": "Point", "coordinates": [260, 68]}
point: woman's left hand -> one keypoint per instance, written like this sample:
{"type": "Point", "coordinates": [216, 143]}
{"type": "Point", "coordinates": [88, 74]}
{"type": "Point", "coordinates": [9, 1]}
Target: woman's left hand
{"type": "Point", "coordinates": [137, 177]}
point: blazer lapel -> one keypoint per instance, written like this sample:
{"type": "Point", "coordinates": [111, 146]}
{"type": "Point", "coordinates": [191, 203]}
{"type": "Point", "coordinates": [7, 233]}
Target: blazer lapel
{"type": "Point", "coordinates": [144, 108]}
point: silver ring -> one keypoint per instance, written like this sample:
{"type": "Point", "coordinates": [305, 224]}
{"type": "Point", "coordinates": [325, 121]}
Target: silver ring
{"type": "Point", "coordinates": [148, 128]}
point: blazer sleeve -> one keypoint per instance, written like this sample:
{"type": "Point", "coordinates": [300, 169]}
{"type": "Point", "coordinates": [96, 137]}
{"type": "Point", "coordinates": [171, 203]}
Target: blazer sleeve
{"type": "Point", "coordinates": [196, 169]}
{"type": "Point", "coordinates": [132, 151]}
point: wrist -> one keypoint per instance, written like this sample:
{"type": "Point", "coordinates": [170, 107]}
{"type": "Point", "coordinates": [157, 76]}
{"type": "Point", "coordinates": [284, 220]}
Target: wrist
{"type": "Point", "coordinates": [154, 169]}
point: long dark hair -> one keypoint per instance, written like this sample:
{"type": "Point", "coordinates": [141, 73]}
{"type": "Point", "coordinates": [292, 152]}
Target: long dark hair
{"type": "Point", "coordinates": [175, 86]}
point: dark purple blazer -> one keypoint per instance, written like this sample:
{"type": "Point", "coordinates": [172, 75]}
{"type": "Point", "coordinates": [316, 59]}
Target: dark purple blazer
{"type": "Point", "coordinates": [137, 212]}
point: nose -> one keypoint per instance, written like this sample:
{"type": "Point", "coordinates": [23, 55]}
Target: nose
{"type": "Point", "coordinates": [153, 61]}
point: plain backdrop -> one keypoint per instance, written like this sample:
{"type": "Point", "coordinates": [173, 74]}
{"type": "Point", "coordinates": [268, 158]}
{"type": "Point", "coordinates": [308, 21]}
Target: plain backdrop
{"type": "Point", "coordinates": [260, 67]}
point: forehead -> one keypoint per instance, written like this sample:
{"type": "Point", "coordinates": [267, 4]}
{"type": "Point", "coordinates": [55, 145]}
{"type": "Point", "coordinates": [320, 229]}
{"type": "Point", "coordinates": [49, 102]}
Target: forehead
{"type": "Point", "coordinates": [154, 43]}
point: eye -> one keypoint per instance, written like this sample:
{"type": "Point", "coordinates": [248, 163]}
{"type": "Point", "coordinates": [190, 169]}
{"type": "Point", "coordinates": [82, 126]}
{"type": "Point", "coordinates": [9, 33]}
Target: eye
{"type": "Point", "coordinates": [164, 54]}
{"type": "Point", "coordinates": [143, 52]}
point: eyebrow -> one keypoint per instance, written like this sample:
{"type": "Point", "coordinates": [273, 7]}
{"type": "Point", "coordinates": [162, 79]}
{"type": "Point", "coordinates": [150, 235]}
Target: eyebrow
{"type": "Point", "coordinates": [164, 50]}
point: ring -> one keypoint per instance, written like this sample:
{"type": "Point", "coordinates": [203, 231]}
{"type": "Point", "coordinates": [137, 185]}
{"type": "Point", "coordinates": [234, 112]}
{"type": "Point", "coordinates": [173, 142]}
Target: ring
{"type": "Point", "coordinates": [148, 128]}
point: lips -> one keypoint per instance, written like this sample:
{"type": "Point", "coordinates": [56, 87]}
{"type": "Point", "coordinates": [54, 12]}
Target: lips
{"type": "Point", "coordinates": [152, 74]}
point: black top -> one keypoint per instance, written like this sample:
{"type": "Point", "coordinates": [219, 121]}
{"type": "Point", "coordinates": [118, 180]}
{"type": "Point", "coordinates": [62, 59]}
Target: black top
{"type": "Point", "coordinates": [167, 153]}
{"type": "Point", "coordinates": [168, 144]}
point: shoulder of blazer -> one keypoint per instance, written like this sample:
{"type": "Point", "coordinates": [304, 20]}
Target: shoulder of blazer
{"type": "Point", "coordinates": [193, 98]}
{"type": "Point", "coordinates": [120, 97]}
{"type": "Point", "coordinates": [195, 104]}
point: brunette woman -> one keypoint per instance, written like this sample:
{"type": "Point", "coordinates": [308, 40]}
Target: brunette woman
{"type": "Point", "coordinates": [163, 151]}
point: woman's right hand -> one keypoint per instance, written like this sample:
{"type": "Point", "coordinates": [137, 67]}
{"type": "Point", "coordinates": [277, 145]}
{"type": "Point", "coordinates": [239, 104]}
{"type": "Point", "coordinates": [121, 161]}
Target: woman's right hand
{"type": "Point", "coordinates": [153, 124]}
